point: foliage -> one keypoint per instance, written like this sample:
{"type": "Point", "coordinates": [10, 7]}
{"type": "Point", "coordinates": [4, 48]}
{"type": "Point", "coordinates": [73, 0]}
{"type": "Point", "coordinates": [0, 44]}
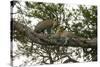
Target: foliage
{"type": "Point", "coordinates": [81, 20]}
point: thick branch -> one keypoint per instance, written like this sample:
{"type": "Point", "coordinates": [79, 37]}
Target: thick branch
{"type": "Point", "coordinates": [43, 39]}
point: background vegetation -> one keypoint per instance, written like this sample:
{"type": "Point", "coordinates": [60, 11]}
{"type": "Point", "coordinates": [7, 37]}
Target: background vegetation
{"type": "Point", "coordinates": [80, 19]}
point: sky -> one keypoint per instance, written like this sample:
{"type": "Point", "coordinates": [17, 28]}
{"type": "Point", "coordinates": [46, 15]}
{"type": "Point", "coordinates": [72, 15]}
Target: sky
{"type": "Point", "coordinates": [5, 31]}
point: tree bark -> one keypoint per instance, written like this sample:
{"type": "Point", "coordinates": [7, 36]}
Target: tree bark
{"type": "Point", "coordinates": [43, 39]}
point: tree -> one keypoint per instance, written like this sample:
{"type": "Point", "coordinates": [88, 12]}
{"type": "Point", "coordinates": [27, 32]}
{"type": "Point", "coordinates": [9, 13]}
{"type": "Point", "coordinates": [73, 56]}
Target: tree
{"type": "Point", "coordinates": [40, 49]}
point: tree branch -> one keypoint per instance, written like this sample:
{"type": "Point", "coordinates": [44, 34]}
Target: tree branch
{"type": "Point", "coordinates": [43, 39]}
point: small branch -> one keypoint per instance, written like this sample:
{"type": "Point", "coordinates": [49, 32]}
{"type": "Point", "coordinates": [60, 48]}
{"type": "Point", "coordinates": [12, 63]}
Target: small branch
{"type": "Point", "coordinates": [70, 60]}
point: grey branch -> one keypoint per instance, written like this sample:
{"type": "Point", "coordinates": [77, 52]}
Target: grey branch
{"type": "Point", "coordinates": [43, 39]}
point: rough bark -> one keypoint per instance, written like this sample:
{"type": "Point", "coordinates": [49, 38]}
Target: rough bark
{"type": "Point", "coordinates": [43, 39]}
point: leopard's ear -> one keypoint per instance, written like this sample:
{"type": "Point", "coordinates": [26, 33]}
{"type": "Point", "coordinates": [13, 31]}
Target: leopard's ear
{"type": "Point", "coordinates": [60, 29]}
